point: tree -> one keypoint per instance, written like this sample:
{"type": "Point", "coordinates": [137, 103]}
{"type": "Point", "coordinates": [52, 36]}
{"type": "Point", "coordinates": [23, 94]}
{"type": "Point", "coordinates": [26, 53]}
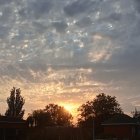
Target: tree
{"type": "Point", "coordinates": [15, 104]}
{"type": "Point", "coordinates": [136, 114]}
{"type": "Point", "coordinates": [40, 117]}
{"type": "Point", "coordinates": [100, 109]}
{"type": "Point", "coordinates": [30, 120]}
{"type": "Point", "coordinates": [59, 116]}
{"type": "Point", "coordinates": [52, 115]}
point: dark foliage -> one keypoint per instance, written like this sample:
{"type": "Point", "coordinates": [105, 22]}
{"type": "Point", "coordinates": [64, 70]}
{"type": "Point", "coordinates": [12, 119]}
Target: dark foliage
{"type": "Point", "coordinates": [99, 110]}
{"type": "Point", "coordinates": [136, 115]}
{"type": "Point", "coordinates": [52, 115]}
{"type": "Point", "coordinates": [15, 104]}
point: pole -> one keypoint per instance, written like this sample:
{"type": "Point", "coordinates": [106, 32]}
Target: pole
{"type": "Point", "coordinates": [4, 136]}
{"type": "Point", "coordinates": [93, 130]}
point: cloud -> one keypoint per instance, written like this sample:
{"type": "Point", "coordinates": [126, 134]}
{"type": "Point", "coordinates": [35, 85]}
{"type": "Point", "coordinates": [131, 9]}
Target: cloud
{"type": "Point", "coordinates": [4, 32]}
{"type": "Point", "coordinates": [84, 22]}
{"type": "Point", "coordinates": [78, 7]}
{"type": "Point", "coordinates": [5, 15]}
{"type": "Point", "coordinates": [60, 26]}
{"type": "Point", "coordinates": [36, 9]}
{"type": "Point", "coordinates": [2, 2]}
{"type": "Point", "coordinates": [137, 5]}
{"type": "Point", "coordinates": [39, 27]}
{"type": "Point", "coordinates": [70, 50]}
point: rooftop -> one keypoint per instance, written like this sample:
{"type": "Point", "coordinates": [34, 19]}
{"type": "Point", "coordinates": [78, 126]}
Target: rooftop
{"type": "Point", "coordinates": [121, 119]}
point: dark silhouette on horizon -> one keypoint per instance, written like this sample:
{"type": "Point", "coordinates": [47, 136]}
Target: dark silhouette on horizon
{"type": "Point", "coordinates": [15, 104]}
{"type": "Point", "coordinates": [54, 122]}
{"type": "Point", "coordinates": [53, 115]}
{"type": "Point", "coordinates": [101, 108]}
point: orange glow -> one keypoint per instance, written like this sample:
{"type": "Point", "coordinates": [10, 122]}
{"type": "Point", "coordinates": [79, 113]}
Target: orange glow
{"type": "Point", "coordinates": [69, 108]}
{"type": "Point", "coordinates": [72, 108]}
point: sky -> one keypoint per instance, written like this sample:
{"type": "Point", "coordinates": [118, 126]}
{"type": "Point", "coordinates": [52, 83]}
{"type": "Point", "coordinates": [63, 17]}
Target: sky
{"type": "Point", "coordinates": [68, 51]}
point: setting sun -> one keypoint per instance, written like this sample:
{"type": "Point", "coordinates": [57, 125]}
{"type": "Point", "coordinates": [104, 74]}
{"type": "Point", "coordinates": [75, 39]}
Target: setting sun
{"type": "Point", "coordinates": [69, 108]}
{"type": "Point", "coordinates": [72, 108]}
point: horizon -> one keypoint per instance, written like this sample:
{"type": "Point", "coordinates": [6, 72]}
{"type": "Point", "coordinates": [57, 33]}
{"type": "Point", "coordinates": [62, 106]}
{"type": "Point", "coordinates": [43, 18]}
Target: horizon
{"type": "Point", "coordinates": [69, 107]}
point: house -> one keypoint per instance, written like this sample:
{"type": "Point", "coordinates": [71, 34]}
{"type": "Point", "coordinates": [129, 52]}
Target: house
{"type": "Point", "coordinates": [12, 128]}
{"type": "Point", "coordinates": [122, 126]}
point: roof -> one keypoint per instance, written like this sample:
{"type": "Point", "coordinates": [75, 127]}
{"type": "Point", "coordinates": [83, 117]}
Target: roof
{"type": "Point", "coordinates": [11, 119]}
{"type": "Point", "coordinates": [121, 119]}
{"type": "Point", "coordinates": [10, 122]}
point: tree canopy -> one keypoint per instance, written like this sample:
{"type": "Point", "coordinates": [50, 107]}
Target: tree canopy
{"type": "Point", "coordinates": [99, 109]}
{"type": "Point", "coordinates": [52, 115]}
{"type": "Point", "coordinates": [15, 104]}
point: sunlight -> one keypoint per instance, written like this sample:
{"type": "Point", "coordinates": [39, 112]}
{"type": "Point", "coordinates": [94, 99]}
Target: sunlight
{"type": "Point", "coordinates": [69, 108]}
{"type": "Point", "coordinates": [72, 108]}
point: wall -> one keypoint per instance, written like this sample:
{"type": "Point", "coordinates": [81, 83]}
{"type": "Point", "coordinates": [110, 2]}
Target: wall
{"type": "Point", "coordinates": [121, 131]}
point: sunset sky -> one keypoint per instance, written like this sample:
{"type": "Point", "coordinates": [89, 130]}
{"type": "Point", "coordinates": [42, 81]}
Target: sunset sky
{"type": "Point", "coordinates": [68, 51]}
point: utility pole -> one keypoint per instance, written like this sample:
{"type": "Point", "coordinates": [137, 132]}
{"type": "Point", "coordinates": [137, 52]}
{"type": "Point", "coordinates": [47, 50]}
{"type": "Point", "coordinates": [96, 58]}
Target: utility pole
{"type": "Point", "coordinates": [4, 136]}
{"type": "Point", "coordinates": [93, 131]}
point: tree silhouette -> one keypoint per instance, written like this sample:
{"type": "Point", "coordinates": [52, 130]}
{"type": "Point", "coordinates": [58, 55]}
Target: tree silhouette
{"type": "Point", "coordinates": [59, 116]}
{"type": "Point", "coordinates": [52, 115]}
{"type": "Point", "coordinates": [136, 114]}
{"type": "Point", "coordinates": [30, 120]}
{"type": "Point", "coordinates": [15, 104]}
{"type": "Point", "coordinates": [100, 109]}
{"type": "Point", "coordinates": [40, 117]}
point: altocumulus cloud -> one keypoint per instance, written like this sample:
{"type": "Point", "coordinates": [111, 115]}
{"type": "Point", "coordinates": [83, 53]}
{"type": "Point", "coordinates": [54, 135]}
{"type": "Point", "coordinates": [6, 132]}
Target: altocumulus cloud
{"type": "Point", "coordinates": [70, 50]}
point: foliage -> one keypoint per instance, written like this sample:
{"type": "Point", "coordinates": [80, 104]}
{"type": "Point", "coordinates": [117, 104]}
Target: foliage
{"type": "Point", "coordinates": [52, 115]}
{"type": "Point", "coordinates": [40, 117]}
{"type": "Point", "coordinates": [59, 116]}
{"type": "Point", "coordinates": [30, 120]}
{"type": "Point", "coordinates": [100, 109]}
{"type": "Point", "coordinates": [15, 104]}
{"type": "Point", "coordinates": [136, 114]}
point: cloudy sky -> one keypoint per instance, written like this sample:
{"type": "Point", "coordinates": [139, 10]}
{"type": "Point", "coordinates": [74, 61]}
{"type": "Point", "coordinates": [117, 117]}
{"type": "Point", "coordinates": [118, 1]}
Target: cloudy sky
{"type": "Point", "coordinates": [67, 51]}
